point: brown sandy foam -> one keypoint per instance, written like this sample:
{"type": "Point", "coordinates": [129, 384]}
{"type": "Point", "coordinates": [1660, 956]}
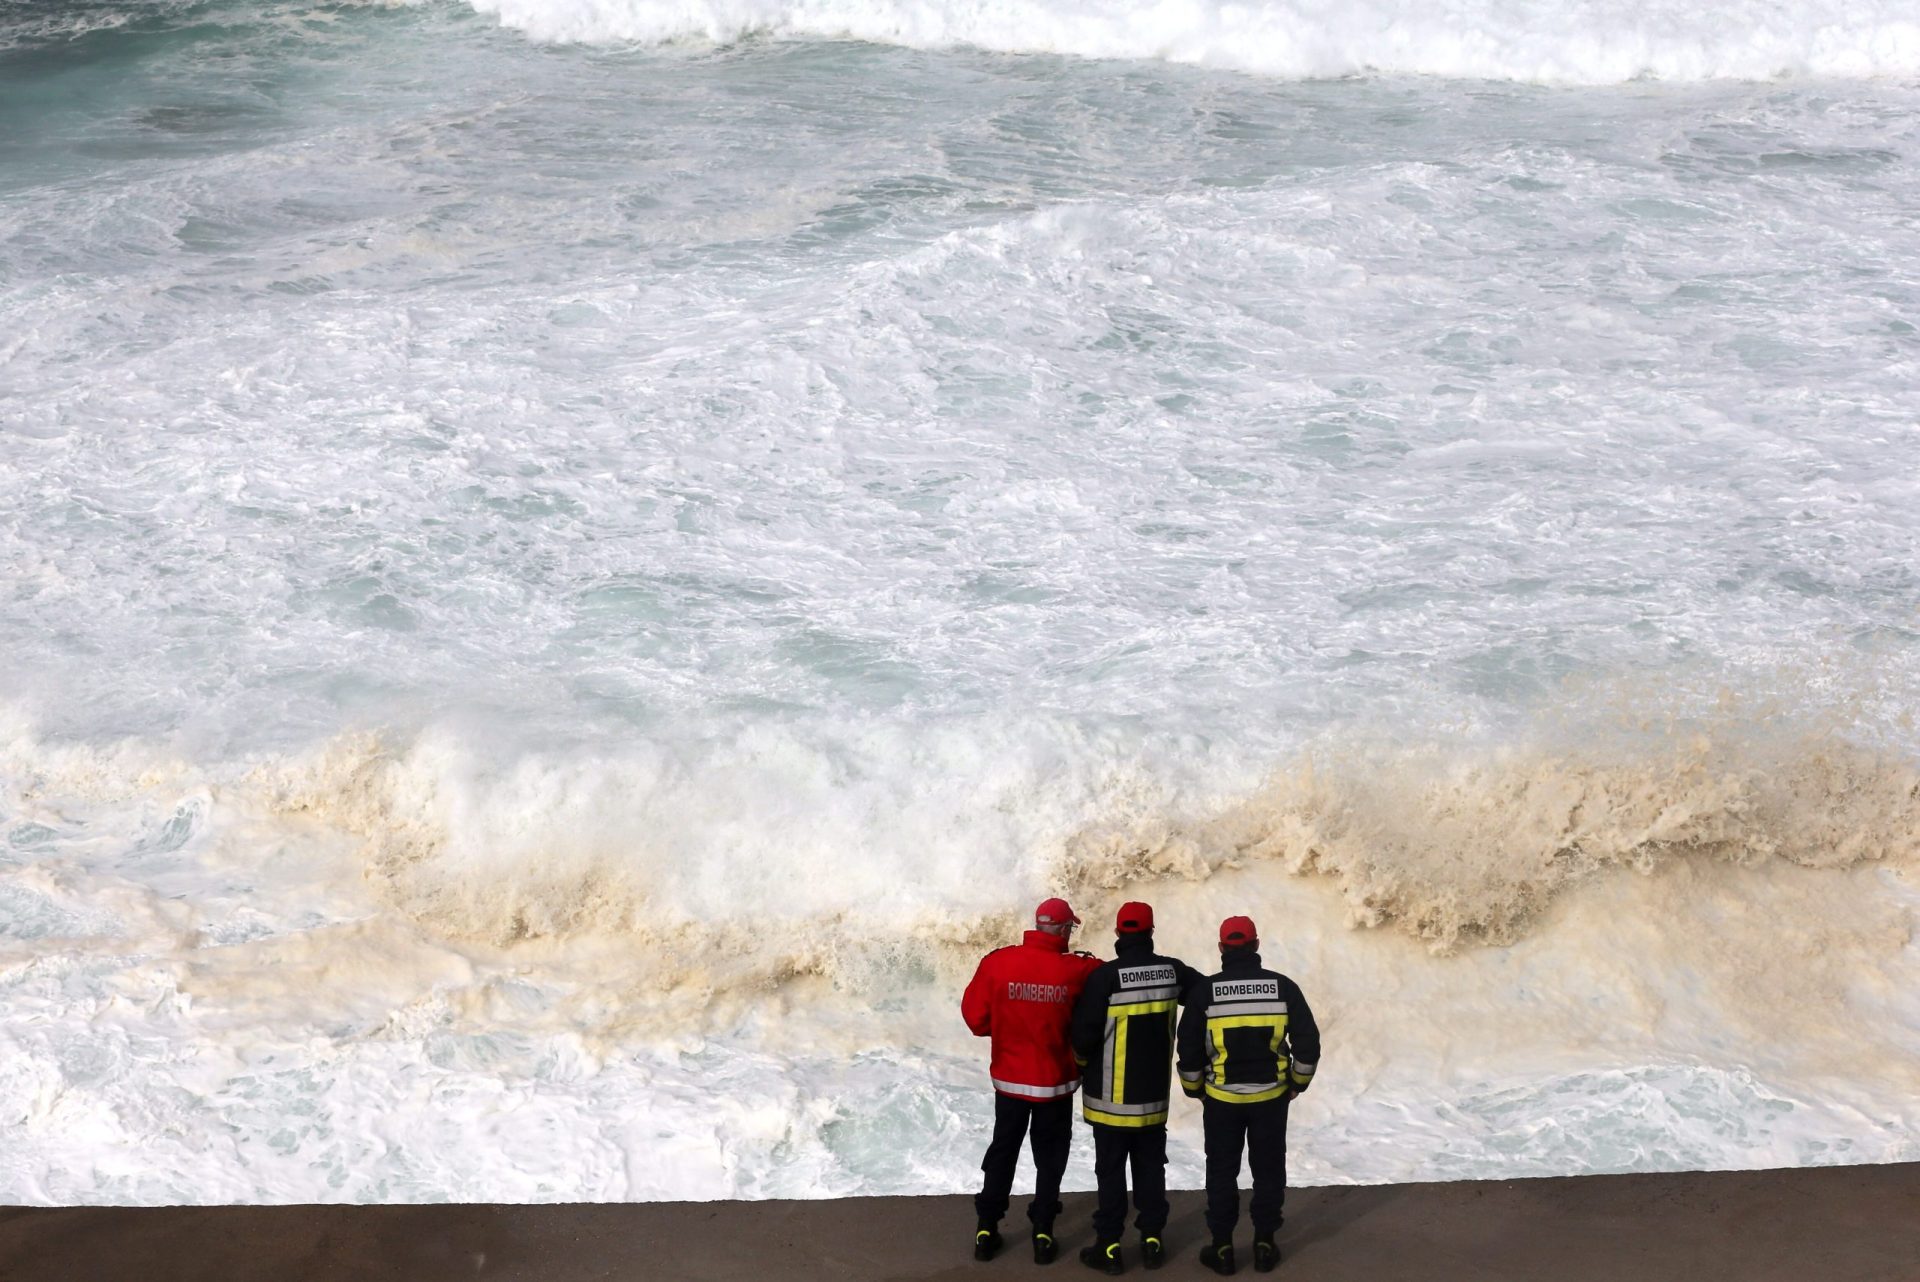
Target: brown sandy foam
{"type": "Point", "coordinates": [1832, 1224]}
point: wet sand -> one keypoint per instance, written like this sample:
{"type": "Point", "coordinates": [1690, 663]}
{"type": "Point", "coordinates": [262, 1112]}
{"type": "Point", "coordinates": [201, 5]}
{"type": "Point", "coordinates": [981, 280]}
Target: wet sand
{"type": "Point", "coordinates": [1833, 1224]}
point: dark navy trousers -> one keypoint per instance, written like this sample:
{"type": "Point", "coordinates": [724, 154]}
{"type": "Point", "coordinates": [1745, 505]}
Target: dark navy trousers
{"type": "Point", "coordinates": [1261, 1130]}
{"type": "Point", "coordinates": [1049, 1126]}
{"type": "Point", "coordinates": [1145, 1148]}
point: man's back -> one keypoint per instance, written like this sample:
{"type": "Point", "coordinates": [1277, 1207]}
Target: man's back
{"type": "Point", "coordinates": [1022, 996]}
{"type": "Point", "coordinates": [1248, 1044]}
{"type": "Point", "coordinates": [1247, 1034]}
{"type": "Point", "coordinates": [1123, 1031]}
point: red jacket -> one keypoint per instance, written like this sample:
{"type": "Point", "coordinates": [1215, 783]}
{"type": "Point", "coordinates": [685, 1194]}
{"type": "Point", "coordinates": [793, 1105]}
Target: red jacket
{"type": "Point", "coordinates": [1022, 997]}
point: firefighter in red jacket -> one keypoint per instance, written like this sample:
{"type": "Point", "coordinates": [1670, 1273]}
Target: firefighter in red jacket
{"type": "Point", "coordinates": [1022, 996]}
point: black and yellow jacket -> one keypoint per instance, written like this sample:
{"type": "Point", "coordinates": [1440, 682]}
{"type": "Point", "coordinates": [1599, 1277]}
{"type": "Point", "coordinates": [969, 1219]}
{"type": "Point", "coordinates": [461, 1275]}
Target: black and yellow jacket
{"type": "Point", "coordinates": [1123, 1034]}
{"type": "Point", "coordinates": [1247, 1034]}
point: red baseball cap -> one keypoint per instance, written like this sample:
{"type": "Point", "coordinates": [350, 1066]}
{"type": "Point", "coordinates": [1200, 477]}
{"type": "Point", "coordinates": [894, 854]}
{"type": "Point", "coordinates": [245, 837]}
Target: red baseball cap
{"type": "Point", "coordinates": [1133, 918]}
{"type": "Point", "coordinates": [1054, 912]}
{"type": "Point", "coordinates": [1238, 930]}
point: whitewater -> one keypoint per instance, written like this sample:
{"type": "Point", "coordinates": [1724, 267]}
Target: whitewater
{"type": "Point", "coordinates": [569, 565]}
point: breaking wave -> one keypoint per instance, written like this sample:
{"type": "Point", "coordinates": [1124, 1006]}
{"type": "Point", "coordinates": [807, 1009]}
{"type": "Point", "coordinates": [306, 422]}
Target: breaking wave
{"type": "Point", "coordinates": [1609, 42]}
{"type": "Point", "coordinates": [731, 867]}
{"type": "Point", "coordinates": [1459, 854]}
{"type": "Point", "coordinates": [1456, 853]}
{"type": "Point", "coordinates": [428, 906]}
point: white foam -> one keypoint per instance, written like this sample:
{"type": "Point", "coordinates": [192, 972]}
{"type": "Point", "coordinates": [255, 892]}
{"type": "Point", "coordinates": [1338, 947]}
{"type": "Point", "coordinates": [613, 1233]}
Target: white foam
{"type": "Point", "coordinates": [390, 973]}
{"type": "Point", "coordinates": [1604, 42]}
{"type": "Point", "coordinates": [567, 594]}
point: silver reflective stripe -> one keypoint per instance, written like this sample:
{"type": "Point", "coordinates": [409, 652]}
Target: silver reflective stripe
{"type": "Point", "coordinates": [1194, 1076]}
{"type": "Point", "coordinates": [1245, 1088]}
{"type": "Point", "coordinates": [1129, 996]}
{"type": "Point", "coordinates": [1302, 1068]}
{"type": "Point", "coordinates": [1126, 1110]}
{"type": "Point", "coordinates": [1113, 1031]}
{"type": "Point", "coordinates": [1220, 1010]}
{"type": "Point", "coordinates": [1039, 1092]}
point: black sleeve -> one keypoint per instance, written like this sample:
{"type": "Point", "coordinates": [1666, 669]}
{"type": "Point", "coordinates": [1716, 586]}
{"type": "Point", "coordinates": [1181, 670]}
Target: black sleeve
{"type": "Point", "coordinates": [1185, 976]}
{"type": "Point", "coordinates": [1192, 1037]}
{"type": "Point", "coordinates": [1089, 1027]}
{"type": "Point", "coordinates": [1303, 1037]}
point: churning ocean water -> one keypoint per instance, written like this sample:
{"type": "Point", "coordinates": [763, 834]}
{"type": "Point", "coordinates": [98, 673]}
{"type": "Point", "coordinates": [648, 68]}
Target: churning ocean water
{"type": "Point", "coordinates": [570, 564]}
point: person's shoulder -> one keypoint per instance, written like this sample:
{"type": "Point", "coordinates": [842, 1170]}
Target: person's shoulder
{"type": "Point", "coordinates": [1104, 969]}
{"type": "Point", "coordinates": [1197, 992]}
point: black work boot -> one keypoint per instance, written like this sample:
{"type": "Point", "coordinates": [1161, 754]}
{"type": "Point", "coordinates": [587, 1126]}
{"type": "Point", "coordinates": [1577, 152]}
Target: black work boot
{"type": "Point", "coordinates": [1218, 1256]}
{"type": "Point", "coordinates": [986, 1241]}
{"type": "Point", "coordinates": [1045, 1249]}
{"type": "Point", "coordinates": [1104, 1256]}
{"type": "Point", "coordinates": [1152, 1253]}
{"type": "Point", "coordinates": [1265, 1255]}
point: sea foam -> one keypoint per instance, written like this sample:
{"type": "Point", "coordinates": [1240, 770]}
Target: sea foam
{"type": "Point", "coordinates": [1607, 42]}
{"type": "Point", "coordinates": [560, 598]}
{"type": "Point", "coordinates": [393, 965]}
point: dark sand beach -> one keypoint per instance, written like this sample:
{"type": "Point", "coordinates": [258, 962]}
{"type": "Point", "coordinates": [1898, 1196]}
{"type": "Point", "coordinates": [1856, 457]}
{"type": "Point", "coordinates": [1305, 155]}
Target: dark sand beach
{"type": "Point", "coordinates": [1832, 1224]}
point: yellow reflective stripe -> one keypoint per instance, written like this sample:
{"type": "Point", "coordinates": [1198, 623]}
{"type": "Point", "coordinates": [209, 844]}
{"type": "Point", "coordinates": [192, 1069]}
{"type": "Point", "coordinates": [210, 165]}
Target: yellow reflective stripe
{"type": "Point", "coordinates": [1218, 1025]}
{"type": "Point", "coordinates": [1118, 1094]}
{"type": "Point", "coordinates": [1139, 1008]}
{"type": "Point", "coordinates": [1106, 1053]}
{"type": "Point", "coordinates": [1228, 1097]}
{"type": "Point", "coordinates": [1122, 1119]}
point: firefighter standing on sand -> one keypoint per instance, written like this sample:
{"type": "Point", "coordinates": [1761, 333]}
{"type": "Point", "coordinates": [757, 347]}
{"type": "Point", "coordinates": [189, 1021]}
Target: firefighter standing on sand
{"type": "Point", "coordinates": [1123, 1034]}
{"type": "Point", "coordinates": [1247, 1045]}
{"type": "Point", "coordinates": [1022, 996]}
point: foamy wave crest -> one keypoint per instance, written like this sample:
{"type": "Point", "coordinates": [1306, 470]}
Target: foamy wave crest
{"type": "Point", "coordinates": [1607, 42]}
{"type": "Point", "coordinates": [1455, 851]}
{"type": "Point", "coordinates": [1473, 852]}
{"type": "Point", "coordinates": [748, 945]}
{"type": "Point", "coordinates": [694, 879]}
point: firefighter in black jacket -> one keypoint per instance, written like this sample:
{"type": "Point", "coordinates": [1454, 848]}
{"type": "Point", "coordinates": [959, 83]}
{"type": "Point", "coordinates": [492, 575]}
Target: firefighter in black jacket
{"type": "Point", "coordinates": [1248, 1044]}
{"type": "Point", "coordinates": [1123, 1027]}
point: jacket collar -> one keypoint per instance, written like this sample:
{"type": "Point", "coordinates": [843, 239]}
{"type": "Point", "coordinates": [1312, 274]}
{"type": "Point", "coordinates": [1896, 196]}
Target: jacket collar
{"type": "Point", "coordinates": [1140, 943]}
{"type": "Point", "coordinates": [1240, 959]}
{"type": "Point", "coordinates": [1041, 939]}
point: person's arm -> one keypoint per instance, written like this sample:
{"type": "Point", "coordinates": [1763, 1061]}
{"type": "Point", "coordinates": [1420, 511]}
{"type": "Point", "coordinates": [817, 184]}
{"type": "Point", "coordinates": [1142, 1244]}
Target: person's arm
{"type": "Point", "coordinates": [1089, 1025]}
{"type": "Point", "coordinates": [1303, 1038]}
{"type": "Point", "coordinates": [1185, 977]}
{"type": "Point", "coordinates": [1191, 1039]}
{"type": "Point", "coordinates": [975, 1006]}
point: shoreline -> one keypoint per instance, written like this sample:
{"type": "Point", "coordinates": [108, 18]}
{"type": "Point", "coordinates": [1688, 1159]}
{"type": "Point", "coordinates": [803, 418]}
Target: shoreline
{"type": "Point", "coordinates": [1834, 1223]}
